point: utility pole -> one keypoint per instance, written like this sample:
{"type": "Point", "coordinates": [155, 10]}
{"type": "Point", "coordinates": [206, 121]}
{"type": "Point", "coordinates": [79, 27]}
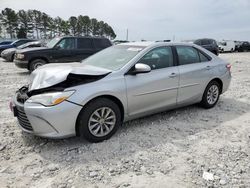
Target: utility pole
{"type": "Point", "coordinates": [127, 35]}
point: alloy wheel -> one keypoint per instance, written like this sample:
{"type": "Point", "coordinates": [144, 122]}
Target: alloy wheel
{"type": "Point", "coordinates": [102, 121]}
{"type": "Point", "coordinates": [212, 94]}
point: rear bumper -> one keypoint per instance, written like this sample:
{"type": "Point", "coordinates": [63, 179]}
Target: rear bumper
{"type": "Point", "coordinates": [50, 122]}
{"type": "Point", "coordinates": [226, 80]}
{"type": "Point", "coordinates": [21, 63]}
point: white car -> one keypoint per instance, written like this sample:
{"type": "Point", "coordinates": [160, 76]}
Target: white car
{"type": "Point", "coordinates": [227, 46]}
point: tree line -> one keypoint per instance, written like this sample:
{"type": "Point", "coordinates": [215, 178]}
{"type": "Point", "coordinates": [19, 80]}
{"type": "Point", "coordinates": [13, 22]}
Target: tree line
{"type": "Point", "coordinates": [39, 25]}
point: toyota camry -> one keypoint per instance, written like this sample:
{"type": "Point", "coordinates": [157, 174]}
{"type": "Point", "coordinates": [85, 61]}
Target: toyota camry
{"type": "Point", "coordinates": [123, 82]}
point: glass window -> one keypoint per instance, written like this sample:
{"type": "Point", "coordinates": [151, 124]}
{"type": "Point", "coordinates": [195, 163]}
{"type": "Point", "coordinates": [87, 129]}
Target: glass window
{"type": "Point", "coordinates": [205, 42]}
{"type": "Point", "coordinates": [198, 42]}
{"type": "Point", "coordinates": [113, 58]}
{"type": "Point", "coordinates": [187, 55]}
{"type": "Point", "coordinates": [203, 58]}
{"type": "Point", "coordinates": [101, 43]}
{"type": "Point", "coordinates": [158, 58]}
{"type": "Point", "coordinates": [84, 43]}
{"type": "Point", "coordinates": [67, 43]}
{"type": "Point", "coordinates": [18, 43]}
{"type": "Point", "coordinates": [53, 42]}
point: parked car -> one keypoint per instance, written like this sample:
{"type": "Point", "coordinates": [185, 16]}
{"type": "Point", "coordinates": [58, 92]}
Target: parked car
{"type": "Point", "coordinates": [9, 54]}
{"type": "Point", "coordinates": [244, 47]}
{"type": "Point", "coordinates": [209, 44]}
{"type": "Point", "coordinates": [14, 44]}
{"type": "Point", "coordinates": [60, 50]}
{"type": "Point", "coordinates": [123, 82]}
{"type": "Point", "coordinates": [5, 42]}
{"type": "Point", "coordinates": [227, 46]}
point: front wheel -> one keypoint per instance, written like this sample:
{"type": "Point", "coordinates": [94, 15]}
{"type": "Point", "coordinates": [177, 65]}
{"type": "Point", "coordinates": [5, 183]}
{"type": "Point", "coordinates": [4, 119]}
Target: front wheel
{"type": "Point", "coordinates": [211, 95]}
{"type": "Point", "coordinates": [36, 63]}
{"type": "Point", "coordinates": [99, 120]}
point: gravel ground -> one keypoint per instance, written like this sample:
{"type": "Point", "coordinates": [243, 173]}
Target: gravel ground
{"type": "Point", "coordinates": [187, 147]}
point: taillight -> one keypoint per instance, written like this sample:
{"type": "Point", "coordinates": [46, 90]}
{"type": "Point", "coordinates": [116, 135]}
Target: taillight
{"type": "Point", "coordinates": [229, 67]}
{"type": "Point", "coordinates": [11, 106]}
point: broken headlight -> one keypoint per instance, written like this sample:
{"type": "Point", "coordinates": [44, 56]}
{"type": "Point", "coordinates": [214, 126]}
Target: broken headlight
{"type": "Point", "coordinates": [50, 99]}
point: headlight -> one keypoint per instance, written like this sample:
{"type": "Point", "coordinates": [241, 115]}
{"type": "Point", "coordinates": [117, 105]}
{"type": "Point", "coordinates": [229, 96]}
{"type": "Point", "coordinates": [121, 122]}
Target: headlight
{"type": "Point", "coordinates": [50, 99]}
{"type": "Point", "coordinates": [20, 56]}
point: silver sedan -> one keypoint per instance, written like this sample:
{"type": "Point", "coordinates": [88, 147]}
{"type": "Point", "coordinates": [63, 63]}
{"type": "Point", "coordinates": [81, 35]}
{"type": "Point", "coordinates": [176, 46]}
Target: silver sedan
{"type": "Point", "coordinates": [123, 82]}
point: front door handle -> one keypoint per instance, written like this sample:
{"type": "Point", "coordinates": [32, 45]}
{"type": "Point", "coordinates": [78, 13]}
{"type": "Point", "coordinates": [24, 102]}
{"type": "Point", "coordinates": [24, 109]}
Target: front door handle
{"type": "Point", "coordinates": [208, 68]}
{"type": "Point", "coordinates": [172, 75]}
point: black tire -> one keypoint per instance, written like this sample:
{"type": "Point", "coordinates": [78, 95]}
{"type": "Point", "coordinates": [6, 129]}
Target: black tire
{"type": "Point", "coordinates": [12, 58]}
{"type": "Point", "coordinates": [88, 110]}
{"type": "Point", "coordinates": [35, 64]}
{"type": "Point", "coordinates": [205, 103]}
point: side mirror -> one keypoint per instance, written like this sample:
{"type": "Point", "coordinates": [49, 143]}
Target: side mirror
{"type": "Point", "coordinates": [141, 68]}
{"type": "Point", "coordinates": [57, 47]}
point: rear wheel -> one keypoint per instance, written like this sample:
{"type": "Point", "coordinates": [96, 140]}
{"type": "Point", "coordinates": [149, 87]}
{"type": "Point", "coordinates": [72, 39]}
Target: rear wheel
{"type": "Point", "coordinates": [211, 95]}
{"type": "Point", "coordinates": [36, 63]}
{"type": "Point", "coordinates": [99, 120]}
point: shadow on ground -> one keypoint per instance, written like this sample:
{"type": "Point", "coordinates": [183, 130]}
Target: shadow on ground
{"type": "Point", "coordinates": [141, 134]}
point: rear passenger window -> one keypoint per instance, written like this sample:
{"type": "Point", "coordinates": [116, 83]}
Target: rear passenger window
{"type": "Point", "coordinates": [158, 58]}
{"type": "Point", "coordinates": [84, 43]}
{"type": "Point", "coordinates": [187, 55]}
{"type": "Point", "coordinates": [203, 58]}
{"type": "Point", "coordinates": [206, 42]}
{"type": "Point", "coordinates": [101, 43]}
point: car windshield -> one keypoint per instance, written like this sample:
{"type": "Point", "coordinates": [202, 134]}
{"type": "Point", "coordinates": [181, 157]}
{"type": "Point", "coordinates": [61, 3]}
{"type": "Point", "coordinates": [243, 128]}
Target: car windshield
{"type": "Point", "coordinates": [14, 42]}
{"type": "Point", "coordinates": [24, 45]}
{"type": "Point", "coordinates": [53, 42]}
{"type": "Point", "coordinates": [113, 58]}
{"type": "Point", "coordinates": [222, 43]}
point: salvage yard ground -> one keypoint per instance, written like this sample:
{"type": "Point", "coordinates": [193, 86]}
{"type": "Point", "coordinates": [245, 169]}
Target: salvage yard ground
{"type": "Point", "coordinates": [170, 149]}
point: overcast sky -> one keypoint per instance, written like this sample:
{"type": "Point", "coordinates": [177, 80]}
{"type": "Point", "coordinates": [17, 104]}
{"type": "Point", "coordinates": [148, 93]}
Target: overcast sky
{"type": "Point", "coordinates": [155, 19]}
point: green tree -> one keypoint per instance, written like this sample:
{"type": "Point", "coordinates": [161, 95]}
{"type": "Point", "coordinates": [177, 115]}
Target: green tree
{"type": "Point", "coordinates": [46, 21]}
{"type": "Point", "coordinates": [73, 25]}
{"type": "Point", "coordinates": [65, 27]}
{"type": "Point", "coordinates": [94, 26]}
{"type": "Point", "coordinates": [37, 19]}
{"type": "Point", "coordinates": [83, 25]}
{"type": "Point", "coordinates": [24, 22]}
{"type": "Point", "coordinates": [10, 20]}
{"type": "Point", "coordinates": [21, 33]}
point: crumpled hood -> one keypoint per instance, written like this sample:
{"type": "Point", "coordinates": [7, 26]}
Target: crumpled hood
{"type": "Point", "coordinates": [53, 74]}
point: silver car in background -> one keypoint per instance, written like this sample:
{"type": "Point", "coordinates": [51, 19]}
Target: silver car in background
{"type": "Point", "coordinates": [121, 83]}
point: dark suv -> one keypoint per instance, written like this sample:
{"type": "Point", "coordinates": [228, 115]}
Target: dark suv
{"type": "Point", "coordinates": [243, 47]}
{"type": "Point", "coordinates": [209, 44]}
{"type": "Point", "coordinates": [60, 50]}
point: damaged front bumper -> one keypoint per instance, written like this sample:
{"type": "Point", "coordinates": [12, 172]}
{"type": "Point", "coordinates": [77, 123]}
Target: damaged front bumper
{"type": "Point", "coordinates": [51, 122]}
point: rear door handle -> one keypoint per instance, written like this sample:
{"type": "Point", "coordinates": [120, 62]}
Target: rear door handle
{"type": "Point", "coordinates": [172, 75]}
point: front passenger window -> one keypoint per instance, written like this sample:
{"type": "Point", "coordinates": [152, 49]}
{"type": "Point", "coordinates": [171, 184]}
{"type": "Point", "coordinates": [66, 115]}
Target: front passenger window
{"type": "Point", "coordinates": [158, 58]}
{"type": "Point", "coordinates": [67, 44]}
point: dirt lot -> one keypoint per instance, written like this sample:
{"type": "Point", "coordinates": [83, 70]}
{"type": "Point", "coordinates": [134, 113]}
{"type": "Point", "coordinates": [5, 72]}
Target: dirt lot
{"type": "Point", "coordinates": [171, 149]}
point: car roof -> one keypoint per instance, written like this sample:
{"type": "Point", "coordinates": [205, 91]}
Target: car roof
{"type": "Point", "coordinates": [142, 44]}
{"type": "Point", "coordinates": [153, 43]}
{"type": "Point", "coordinates": [91, 37]}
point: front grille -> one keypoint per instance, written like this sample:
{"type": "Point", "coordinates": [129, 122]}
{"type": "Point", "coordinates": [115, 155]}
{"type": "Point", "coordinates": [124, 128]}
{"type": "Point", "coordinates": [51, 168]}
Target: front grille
{"type": "Point", "coordinates": [23, 120]}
